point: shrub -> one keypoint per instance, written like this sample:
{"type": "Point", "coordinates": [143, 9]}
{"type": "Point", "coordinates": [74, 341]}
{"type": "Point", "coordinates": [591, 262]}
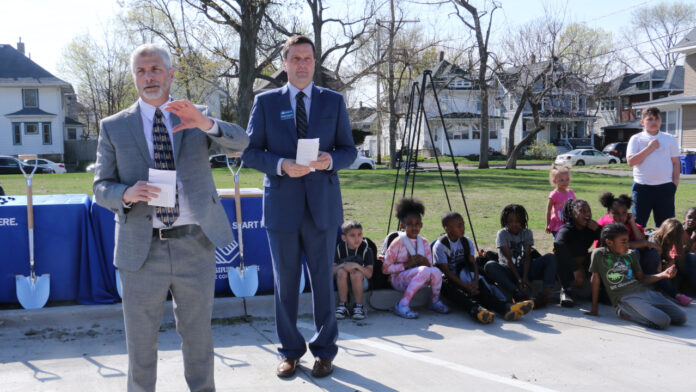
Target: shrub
{"type": "Point", "coordinates": [542, 150]}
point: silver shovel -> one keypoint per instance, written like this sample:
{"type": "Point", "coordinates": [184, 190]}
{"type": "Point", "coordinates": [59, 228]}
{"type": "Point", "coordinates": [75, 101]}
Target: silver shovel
{"type": "Point", "coordinates": [243, 280]}
{"type": "Point", "coordinates": [32, 290]}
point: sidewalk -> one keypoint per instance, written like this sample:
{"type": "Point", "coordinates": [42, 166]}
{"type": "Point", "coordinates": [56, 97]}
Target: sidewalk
{"type": "Point", "coordinates": [82, 348]}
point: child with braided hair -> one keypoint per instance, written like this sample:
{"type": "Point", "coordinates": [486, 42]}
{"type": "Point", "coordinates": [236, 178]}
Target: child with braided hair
{"type": "Point", "coordinates": [409, 261]}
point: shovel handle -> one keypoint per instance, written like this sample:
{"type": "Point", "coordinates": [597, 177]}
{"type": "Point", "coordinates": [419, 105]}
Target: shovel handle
{"type": "Point", "coordinates": [30, 206]}
{"type": "Point", "coordinates": [238, 210]}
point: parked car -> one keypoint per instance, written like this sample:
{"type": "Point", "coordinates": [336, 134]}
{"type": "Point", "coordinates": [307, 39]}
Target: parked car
{"type": "Point", "coordinates": [616, 149]}
{"type": "Point", "coordinates": [581, 157]}
{"type": "Point", "coordinates": [11, 165]}
{"type": "Point", "coordinates": [45, 163]}
{"type": "Point", "coordinates": [220, 161]}
{"type": "Point", "coordinates": [363, 163]}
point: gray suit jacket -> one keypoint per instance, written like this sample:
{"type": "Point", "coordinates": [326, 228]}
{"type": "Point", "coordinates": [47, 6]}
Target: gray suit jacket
{"type": "Point", "coordinates": [123, 159]}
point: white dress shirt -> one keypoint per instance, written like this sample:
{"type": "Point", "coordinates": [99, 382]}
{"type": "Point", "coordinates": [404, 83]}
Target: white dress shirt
{"type": "Point", "coordinates": [147, 113]}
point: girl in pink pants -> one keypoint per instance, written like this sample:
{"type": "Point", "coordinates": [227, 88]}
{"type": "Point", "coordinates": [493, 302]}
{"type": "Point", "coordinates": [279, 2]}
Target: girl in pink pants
{"type": "Point", "coordinates": [409, 261]}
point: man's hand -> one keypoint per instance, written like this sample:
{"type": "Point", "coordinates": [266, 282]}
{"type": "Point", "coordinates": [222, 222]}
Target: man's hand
{"type": "Point", "coordinates": [653, 145]}
{"type": "Point", "coordinates": [189, 115]}
{"type": "Point", "coordinates": [323, 161]}
{"type": "Point", "coordinates": [141, 191]}
{"type": "Point", "coordinates": [292, 169]}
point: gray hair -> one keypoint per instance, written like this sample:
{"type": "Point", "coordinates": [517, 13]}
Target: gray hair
{"type": "Point", "coordinates": [150, 50]}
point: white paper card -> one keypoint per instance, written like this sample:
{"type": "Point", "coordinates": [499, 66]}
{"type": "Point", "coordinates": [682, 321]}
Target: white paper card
{"type": "Point", "coordinates": [307, 151]}
{"type": "Point", "coordinates": [166, 181]}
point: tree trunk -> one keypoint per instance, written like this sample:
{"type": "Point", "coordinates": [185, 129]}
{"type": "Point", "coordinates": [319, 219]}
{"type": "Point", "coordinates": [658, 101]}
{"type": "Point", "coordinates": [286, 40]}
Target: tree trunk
{"type": "Point", "coordinates": [393, 118]}
{"type": "Point", "coordinates": [513, 152]}
{"type": "Point", "coordinates": [317, 25]}
{"type": "Point", "coordinates": [537, 128]}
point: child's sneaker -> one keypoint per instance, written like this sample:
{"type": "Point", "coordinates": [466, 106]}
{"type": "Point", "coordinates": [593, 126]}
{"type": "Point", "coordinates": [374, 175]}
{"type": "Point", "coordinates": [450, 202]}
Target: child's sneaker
{"type": "Point", "coordinates": [358, 312]}
{"type": "Point", "coordinates": [341, 311]}
{"type": "Point", "coordinates": [518, 310]}
{"type": "Point", "coordinates": [683, 299]}
{"type": "Point", "coordinates": [566, 299]}
{"type": "Point", "coordinates": [404, 311]}
{"type": "Point", "coordinates": [621, 314]}
{"type": "Point", "coordinates": [438, 307]}
{"type": "Point", "coordinates": [484, 315]}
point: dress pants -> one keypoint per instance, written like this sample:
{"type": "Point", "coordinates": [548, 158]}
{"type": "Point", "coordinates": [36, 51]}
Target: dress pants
{"type": "Point", "coordinates": [286, 253]}
{"type": "Point", "coordinates": [186, 267]}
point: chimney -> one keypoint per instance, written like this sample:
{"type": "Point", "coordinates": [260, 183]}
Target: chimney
{"type": "Point", "coordinates": [360, 104]}
{"type": "Point", "coordinates": [532, 59]}
{"type": "Point", "coordinates": [442, 55]}
{"type": "Point", "coordinates": [20, 46]}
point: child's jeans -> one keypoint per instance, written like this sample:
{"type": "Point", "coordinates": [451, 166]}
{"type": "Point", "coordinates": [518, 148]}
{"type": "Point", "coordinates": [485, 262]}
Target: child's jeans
{"type": "Point", "coordinates": [411, 280]}
{"type": "Point", "coordinates": [652, 309]}
{"type": "Point", "coordinates": [543, 267]}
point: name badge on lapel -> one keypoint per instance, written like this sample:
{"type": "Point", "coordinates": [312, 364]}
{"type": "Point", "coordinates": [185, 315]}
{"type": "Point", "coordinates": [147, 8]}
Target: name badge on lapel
{"type": "Point", "coordinates": [287, 115]}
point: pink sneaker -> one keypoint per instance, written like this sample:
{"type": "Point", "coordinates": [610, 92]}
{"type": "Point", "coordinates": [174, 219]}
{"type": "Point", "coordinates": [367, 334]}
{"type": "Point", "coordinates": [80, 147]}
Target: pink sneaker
{"type": "Point", "coordinates": [683, 299]}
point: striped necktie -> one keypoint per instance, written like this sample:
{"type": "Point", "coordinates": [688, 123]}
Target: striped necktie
{"type": "Point", "coordinates": [301, 116]}
{"type": "Point", "coordinates": [164, 160]}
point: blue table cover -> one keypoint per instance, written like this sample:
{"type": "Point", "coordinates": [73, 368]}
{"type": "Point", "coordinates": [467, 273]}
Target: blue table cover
{"type": "Point", "coordinates": [256, 250]}
{"type": "Point", "coordinates": [63, 244]}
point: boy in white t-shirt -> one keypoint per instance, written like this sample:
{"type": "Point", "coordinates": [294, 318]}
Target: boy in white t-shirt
{"type": "Point", "coordinates": [654, 156]}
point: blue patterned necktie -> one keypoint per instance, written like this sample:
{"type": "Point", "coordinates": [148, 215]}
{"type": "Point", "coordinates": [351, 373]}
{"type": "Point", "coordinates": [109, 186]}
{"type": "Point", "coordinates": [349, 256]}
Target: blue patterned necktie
{"type": "Point", "coordinates": [301, 116]}
{"type": "Point", "coordinates": [164, 160]}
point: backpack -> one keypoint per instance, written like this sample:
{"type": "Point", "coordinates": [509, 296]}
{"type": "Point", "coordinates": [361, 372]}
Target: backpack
{"type": "Point", "coordinates": [444, 240]}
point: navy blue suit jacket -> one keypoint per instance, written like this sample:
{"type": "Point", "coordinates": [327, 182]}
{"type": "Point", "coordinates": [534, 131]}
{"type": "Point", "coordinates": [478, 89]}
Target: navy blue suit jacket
{"type": "Point", "coordinates": [272, 137]}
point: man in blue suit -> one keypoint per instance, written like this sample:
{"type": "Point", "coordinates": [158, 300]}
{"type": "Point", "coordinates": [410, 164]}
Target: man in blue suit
{"type": "Point", "coordinates": [301, 208]}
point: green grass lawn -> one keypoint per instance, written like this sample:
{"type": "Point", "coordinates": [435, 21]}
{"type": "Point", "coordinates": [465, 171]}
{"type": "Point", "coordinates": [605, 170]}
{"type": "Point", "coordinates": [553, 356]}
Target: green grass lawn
{"type": "Point", "coordinates": [367, 196]}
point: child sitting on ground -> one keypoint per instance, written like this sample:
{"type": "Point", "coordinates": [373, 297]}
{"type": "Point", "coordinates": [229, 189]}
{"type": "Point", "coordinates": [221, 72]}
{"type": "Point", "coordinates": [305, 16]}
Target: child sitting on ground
{"type": "Point", "coordinates": [560, 177]}
{"type": "Point", "coordinates": [353, 265]}
{"type": "Point", "coordinates": [454, 254]}
{"type": "Point", "coordinates": [669, 238]}
{"type": "Point", "coordinates": [625, 283]}
{"type": "Point", "coordinates": [408, 261]}
{"type": "Point", "coordinates": [516, 267]}
{"type": "Point", "coordinates": [690, 248]}
{"type": "Point", "coordinates": [571, 247]}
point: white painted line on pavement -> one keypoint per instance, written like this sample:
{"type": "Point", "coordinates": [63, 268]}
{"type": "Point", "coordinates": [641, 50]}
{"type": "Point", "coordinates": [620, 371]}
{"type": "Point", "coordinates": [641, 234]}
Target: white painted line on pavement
{"type": "Point", "coordinates": [438, 362]}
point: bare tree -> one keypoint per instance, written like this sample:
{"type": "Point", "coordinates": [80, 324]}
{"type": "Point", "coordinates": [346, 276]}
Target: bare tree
{"type": "Point", "coordinates": [101, 72]}
{"type": "Point", "coordinates": [656, 29]}
{"type": "Point", "coordinates": [476, 22]}
{"type": "Point", "coordinates": [245, 18]}
{"type": "Point", "coordinates": [545, 57]}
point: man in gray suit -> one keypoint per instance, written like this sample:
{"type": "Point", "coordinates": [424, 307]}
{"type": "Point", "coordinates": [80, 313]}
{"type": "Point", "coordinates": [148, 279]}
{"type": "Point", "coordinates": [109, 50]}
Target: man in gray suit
{"type": "Point", "coordinates": [160, 250]}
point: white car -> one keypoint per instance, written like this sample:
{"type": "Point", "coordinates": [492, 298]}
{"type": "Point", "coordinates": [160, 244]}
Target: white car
{"type": "Point", "coordinates": [585, 156]}
{"type": "Point", "coordinates": [46, 164]}
{"type": "Point", "coordinates": [363, 163]}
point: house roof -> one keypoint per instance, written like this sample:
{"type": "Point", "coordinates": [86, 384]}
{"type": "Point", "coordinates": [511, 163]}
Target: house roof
{"type": "Point", "coordinates": [30, 112]}
{"type": "Point", "coordinates": [71, 121]}
{"type": "Point", "coordinates": [687, 44]}
{"type": "Point", "coordinates": [18, 69]}
{"type": "Point", "coordinates": [667, 80]}
{"type": "Point", "coordinates": [612, 87]}
{"type": "Point", "coordinates": [671, 100]}
{"type": "Point", "coordinates": [633, 124]}
{"type": "Point", "coordinates": [281, 78]}
{"type": "Point", "coordinates": [444, 71]}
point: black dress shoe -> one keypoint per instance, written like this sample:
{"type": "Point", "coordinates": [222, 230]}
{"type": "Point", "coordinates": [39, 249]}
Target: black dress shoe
{"type": "Point", "coordinates": [286, 367]}
{"type": "Point", "coordinates": [322, 368]}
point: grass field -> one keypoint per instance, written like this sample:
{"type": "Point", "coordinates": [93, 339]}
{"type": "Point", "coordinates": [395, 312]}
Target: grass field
{"type": "Point", "coordinates": [367, 196]}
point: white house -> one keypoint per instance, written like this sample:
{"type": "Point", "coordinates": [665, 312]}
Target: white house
{"type": "Point", "coordinates": [33, 107]}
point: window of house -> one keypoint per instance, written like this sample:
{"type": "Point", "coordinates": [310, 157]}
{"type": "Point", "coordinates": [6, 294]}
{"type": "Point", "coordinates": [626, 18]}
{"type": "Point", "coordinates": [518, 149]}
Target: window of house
{"type": "Point", "coordinates": [72, 134]}
{"type": "Point", "coordinates": [669, 122]}
{"type": "Point", "coordinates": [31, 128]}
{"type": "Point", "coordinates": [16, 133]}
{"type": "Point", "coordinates": [493, 133]}
{"type": "Point", "coordinates": [465, 132]}
{"type": "Point", "coordinates": [457, 135]}
{"type": "Point", "coordinates": [475, 131]}
{"type": "Point", "coordinates": [30, 97]}
{"type": "Point", "coordinates": [625, 103]}
{"type": "Point", "coordinates": [46, 133]}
